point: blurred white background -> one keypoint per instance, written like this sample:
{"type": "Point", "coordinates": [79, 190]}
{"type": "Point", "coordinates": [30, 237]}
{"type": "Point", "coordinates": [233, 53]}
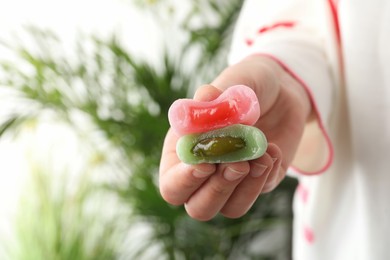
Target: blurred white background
{"type": "Point", "coordinates": [68, 19]}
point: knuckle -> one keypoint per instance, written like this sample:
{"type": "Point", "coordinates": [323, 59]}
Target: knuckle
{"type": "Point", "coordinates": [170, 196]}
{"type": "Point", "coordinates": [269, 186]}
{"type": "Point", "coordinates": [187, 184]}
{"type": "Point", "coordinates": [198, 214]}
{"type": "Point", "coordinates": [176, 190]}
{"type": "Point", "coordinates": [219, 190]}
{"type": "Point", "coordinates": [275, 177]}
{"type": "Point", "coordinates": [233, 214]}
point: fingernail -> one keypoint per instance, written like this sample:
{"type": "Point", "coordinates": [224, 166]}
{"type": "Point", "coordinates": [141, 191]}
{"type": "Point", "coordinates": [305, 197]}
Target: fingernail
{"type": "Point", "coordinates": [232, 175]}
{"type": "Point", "coordinates": [258, 170]}
{"type": "Point", "coordinates": [200, 174]}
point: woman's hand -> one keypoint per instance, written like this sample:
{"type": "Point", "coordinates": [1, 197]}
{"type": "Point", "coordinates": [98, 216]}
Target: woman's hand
{"type": "Point", "coordinates": [232, 188]}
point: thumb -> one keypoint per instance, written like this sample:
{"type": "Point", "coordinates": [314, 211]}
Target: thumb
{"type": "Point", "coordinates": [242, 73]}
{"type": "Point", "coordinates": [245, 73]}
{"type": "Point", "coordinates": [260, 73]}
{"type": "Point", "coordinates": [207, 93]}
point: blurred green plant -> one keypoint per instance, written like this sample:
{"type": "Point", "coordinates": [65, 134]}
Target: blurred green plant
{"type": "Point", "coordinates": [54, 223]}
{"type": "Point", "coordinates": [126, 100]}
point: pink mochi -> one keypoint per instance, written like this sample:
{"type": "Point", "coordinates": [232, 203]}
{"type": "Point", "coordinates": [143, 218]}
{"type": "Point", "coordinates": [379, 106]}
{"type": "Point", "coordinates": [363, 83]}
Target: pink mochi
{"type": "Point", "coordinates": [236, 105]}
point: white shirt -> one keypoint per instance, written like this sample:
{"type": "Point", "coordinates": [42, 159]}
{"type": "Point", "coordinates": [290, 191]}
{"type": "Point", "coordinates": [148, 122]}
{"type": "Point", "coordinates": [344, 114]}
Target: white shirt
{"type": "Point", "coordinates": [342, 204]}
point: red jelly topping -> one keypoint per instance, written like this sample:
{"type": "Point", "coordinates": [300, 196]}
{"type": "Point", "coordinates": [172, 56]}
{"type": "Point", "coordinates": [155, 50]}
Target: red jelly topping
{"type": "Point", "coordinates": [216, 115]}
{"type": "Point", "coordinates": [236, 105]}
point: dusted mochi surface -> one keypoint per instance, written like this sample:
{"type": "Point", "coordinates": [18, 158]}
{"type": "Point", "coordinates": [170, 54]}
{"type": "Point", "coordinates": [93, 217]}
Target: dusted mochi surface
{"type": "Point", "coordinates": [237, 105]}
{"type": "Point", "coordinates": [254, 140]}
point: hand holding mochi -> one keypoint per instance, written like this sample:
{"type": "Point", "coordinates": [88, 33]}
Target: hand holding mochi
{"type": "Point", "coordinates": [218, 131]}
{"type": "Point", "coordinates": [237, 105]}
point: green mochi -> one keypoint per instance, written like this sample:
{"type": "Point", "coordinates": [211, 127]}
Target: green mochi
{"type": "Point", "coordinates": [229, 144]}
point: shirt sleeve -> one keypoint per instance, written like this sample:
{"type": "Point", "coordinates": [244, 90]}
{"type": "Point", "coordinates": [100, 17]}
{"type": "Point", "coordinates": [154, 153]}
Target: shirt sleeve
{"type": "Point", "coordinates": [300, 36]}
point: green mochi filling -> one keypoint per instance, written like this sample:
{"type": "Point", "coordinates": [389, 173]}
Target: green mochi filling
{"type": "Point", "coordinates": [217, 146]}
{"type": "Point", "coordinates": [229, 144]}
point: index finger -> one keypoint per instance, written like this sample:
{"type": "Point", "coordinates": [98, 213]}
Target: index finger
{"type": "Point", "coordinates": [177, 180]}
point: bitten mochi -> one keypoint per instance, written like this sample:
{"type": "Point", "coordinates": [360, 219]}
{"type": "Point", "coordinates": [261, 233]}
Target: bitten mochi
{"type": "Point", "coordinates": [237, 105]}
{"type": "Point", "coordinates": [229, 144]}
